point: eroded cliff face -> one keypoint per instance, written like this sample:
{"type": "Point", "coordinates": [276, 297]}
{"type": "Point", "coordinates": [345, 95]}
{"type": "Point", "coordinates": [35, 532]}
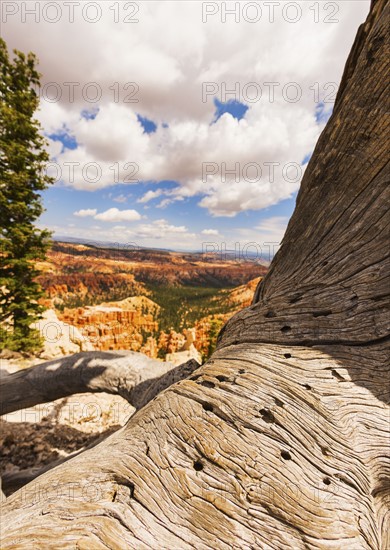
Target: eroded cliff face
{"type": "Point", "coordinates": [121, 300]}
{"type": "Point", "coordinates": [87, 288]}
{"type": "Point", "coordinates": [60, 338]}
{"type": "Point", "coordinates": [134, 324]}
{"type": "Point", "coordinates": [78, 275]}
{"type": "Point", "coordinates": [126, 324]}
{"type": "Point", "coordinates": [203, 335]}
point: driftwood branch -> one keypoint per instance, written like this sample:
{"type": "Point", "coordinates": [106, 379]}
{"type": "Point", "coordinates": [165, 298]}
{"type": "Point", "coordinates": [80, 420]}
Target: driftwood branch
{"type": "Point", "coordinates": [133, 376]}
{"type": "Point", "coordinates": [281, 439]}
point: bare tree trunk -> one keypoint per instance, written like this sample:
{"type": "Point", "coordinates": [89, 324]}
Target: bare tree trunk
{"type": "Point", "coordinates": [133, 376]}
{"type": "Point", "coordinates": [281, 439]}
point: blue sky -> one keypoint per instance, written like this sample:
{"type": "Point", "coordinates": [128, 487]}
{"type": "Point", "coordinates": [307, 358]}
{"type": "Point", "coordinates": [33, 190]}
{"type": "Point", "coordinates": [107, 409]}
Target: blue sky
{"type": "Point", "coordinates": [184, 108]}
{"type": "Point", "coordinates": [68, 204]}
{"type": "Point", "coordinates": [199, 223]}
{"type": "Point", "coordinates": [60, 204]}
{"type": "Point", "coordinates": [64, 199]}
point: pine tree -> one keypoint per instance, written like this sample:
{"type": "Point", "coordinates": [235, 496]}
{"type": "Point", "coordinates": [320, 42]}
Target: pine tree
{"type": "Point", "coordinates": [23, 158]}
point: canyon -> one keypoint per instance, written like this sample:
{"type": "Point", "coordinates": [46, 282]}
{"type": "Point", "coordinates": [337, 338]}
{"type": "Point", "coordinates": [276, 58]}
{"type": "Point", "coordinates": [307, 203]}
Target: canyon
{"type": "Point", "coordinates": [167, 305]}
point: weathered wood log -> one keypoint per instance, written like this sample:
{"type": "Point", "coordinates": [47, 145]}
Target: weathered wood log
{"type": "Point", "coordinates": [281, 439]}
{"type": "Point", "coordinates": [285, 463]}
{"type": "Point", "coordinates": [133, 376]}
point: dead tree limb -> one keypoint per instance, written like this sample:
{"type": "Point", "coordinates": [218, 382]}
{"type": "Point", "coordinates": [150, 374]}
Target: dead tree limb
{"type": "Point", "coordinates": [281, 439]}
{"type": "Point", "coordinates": [133, 376]}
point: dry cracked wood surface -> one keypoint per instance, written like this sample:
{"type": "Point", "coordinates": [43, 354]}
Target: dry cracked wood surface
{"type": "Point", "coordinates": [282, 439]}
{"type": "Point", "coordinates": [133, 376]}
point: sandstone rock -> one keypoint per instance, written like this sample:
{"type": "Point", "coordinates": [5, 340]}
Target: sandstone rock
{"type": "Point", "coordinates": [179, 357]}
{"type": "Point", "coordinates": [116, 325]}
{"type": "Point", "coordinates": [187, 351]}
{"type": "Point", "coordinates": [242, 296]}
{"type": "Point", "coordinates": [9, 354]}
{"type": "Point", "coordinates": [60, 338]}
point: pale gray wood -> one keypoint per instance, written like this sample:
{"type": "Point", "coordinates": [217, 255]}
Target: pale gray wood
{"type": "Point", "coordinates": [133, 376]}
{"type": "Point", "coordinates": [281, 439]}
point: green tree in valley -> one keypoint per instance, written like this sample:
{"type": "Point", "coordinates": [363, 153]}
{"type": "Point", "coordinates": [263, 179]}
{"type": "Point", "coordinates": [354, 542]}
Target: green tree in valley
{"type": "Point", "coordinates": [215, 326]}
{"type": "Point", "coordinates": [23, 158]}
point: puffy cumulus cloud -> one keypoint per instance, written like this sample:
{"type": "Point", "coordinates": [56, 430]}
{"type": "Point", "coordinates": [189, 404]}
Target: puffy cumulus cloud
{"type": "Point", "coordinates": [178, 64]}
{"type": "Point", "coordinates": [110, 215]}
{"type": "Point", "coordinates": [83, 213]}
{"type": "Point", "coordinates": [166, 202]}
{"type": "Point", "coordinates": [115, 215]}
{"type": "Point", "coordinates": [150, 195]}
{"type": "Point", "coordinates": [210, 232]}
{"type": "Point", "coordinates": [166, 227]}
{"type": "Point", "coordinates": [148, 233]}
{"type": "Point", "coordinates": [194, 154]}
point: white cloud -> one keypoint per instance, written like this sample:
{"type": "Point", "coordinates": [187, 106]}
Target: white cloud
{"type": "Point", "coordinates": [150, 195]}
{"type": "Point", "coordinates": [83, 213]}
{"type": "Point", "coordinates": [266, 236]}
{"type": "Point", "coordinates": [159, 233]}
{"type": "Point", "coordinates": [210, 232]}
{"type": "Point", "coordinates": [165, 202]}
{"type": "Point", "coordinates": [272, 230]}
{"type": "Point", "coordinates": [110, 215]}
{"type": "Point", "coordinates": [120, 198]}
{"type": "Point", "coordinates": [164, 226]}
{"type": "Point", "coordinates": [169, 69]}
{"type": "Point", "coordinates": [272, 225]}
{"type": "Point", "coordinates": [115, 215]}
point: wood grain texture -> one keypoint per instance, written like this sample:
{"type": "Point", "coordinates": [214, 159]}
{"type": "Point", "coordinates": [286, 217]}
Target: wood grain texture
{"type": "Point", "coordinates": [133, 376]}
{"type": "Point", "coordinates": [256, 451]}
{"type": "Point", "coordinates": [281, 439]}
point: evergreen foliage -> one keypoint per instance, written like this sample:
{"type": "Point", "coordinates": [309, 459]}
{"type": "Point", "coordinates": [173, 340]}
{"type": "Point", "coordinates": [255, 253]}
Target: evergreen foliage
{"type": "Point", "coordinates": [23, 158]}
